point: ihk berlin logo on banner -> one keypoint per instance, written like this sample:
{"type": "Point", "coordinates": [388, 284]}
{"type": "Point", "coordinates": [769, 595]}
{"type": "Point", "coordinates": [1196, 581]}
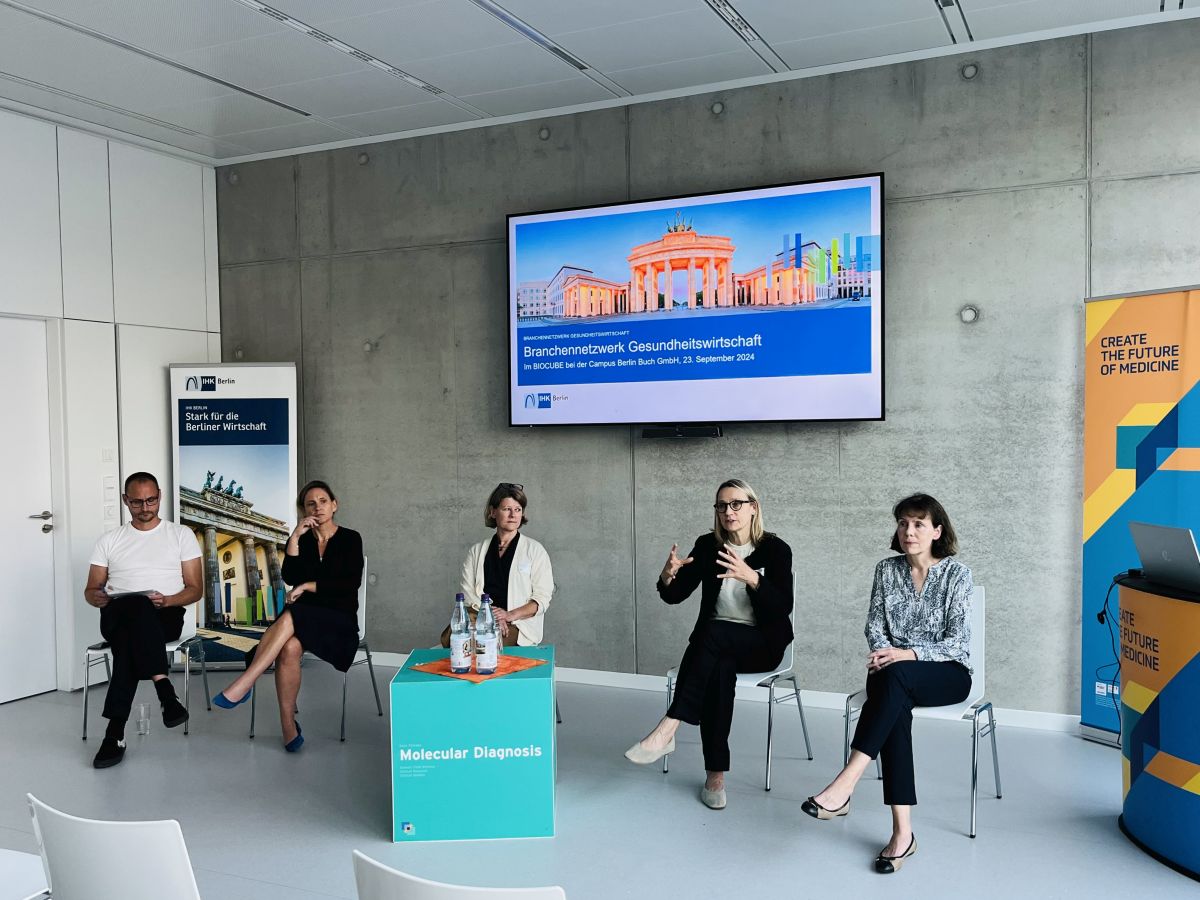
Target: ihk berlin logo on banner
{"type": "Point", "coordinates": [206, 382]}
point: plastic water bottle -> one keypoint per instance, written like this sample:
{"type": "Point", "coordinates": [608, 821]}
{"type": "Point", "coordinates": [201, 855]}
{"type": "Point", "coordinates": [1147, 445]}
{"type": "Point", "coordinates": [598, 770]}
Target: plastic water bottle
{"type": "Point", "coordinates": [486, 638]}
{"type": "Point", "coordinates": [460, 636]}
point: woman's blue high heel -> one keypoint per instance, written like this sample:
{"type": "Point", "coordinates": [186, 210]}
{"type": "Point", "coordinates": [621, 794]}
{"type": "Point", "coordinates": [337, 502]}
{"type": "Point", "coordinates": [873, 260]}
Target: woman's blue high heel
{"type": "Point", "coordinates": [219, 699]}
{"type": "Point", "coordinates": [295, 743]}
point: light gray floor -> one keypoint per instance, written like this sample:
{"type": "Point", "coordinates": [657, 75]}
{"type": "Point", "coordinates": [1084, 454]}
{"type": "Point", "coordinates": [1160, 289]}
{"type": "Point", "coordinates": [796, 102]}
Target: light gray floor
{"type": "Point", "coordinates": [264, 825]}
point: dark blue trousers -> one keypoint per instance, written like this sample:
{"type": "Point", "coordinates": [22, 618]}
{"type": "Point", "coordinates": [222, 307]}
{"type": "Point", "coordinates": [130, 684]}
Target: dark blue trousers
{"type": "Point", "coordinates": [885, 725]}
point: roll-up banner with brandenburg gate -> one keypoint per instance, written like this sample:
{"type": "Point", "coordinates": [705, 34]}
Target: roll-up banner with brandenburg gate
{"type": "Point", "coordinates": [1141, 461]}
{"type": "Point", "coordinates": [234, 437]}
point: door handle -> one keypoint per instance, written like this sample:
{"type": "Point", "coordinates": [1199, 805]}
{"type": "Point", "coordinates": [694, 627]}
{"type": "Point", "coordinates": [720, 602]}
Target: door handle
{"type": "Point", "coordinates": [46, 514]}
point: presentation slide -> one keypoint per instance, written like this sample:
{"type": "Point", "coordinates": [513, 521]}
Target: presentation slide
{"type": "Point", "coordinates": [755, 305]}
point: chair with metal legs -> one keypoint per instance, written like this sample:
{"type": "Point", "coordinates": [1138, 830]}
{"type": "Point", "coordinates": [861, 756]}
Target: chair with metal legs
{"type": "Point", "coordinates": [362, 648]}
{"type": "Point", "coordinates": [189, 643]}
{"type": "Point", "coordinates": [784, 672]}
{"type": "Point", "coordinates": [970, 710]}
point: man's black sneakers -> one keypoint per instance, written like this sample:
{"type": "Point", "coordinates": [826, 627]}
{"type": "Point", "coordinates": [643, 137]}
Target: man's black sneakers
{"type": "Point", "coordinates": [110, 753]}
{"type": "Point", "coordinates": [173, 712]}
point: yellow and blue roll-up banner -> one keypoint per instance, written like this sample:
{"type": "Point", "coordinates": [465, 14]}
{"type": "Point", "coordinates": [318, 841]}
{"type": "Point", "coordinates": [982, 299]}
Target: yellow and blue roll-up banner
{"type": "Point", "coordinates": [234, 430]}
{"type": "Point", "coordinates": [1141, 458]}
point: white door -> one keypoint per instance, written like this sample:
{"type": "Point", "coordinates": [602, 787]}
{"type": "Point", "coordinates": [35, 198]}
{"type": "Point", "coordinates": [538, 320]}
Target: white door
{"type": "Point", "coordinates": [27, 654]}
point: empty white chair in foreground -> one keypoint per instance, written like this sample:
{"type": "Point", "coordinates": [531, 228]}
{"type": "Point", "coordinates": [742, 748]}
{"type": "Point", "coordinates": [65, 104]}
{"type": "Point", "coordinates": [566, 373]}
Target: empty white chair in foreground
{"type": "Point", "coordinates": [969, 710]}
{"type": "Point", "coordinates": [22, 876]}
{"type": "Point", "coordinates": [90, 859]}
{"type": "Point", "coordinates": [376, 881]}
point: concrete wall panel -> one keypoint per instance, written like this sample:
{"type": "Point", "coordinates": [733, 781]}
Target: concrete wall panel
{"type": "Point", "coordinates": [459, 186]}
{"type": "Point", "coordinates": [258, 211]}
{"type": "Point", "coordinates": [1144, 86]}
{"type": "Point", "coordinates": [1144, 234]}
{"type": "Point", "coordinates": [920, 123]}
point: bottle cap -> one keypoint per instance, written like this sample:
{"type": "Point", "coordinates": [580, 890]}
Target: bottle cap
{"type": "Point", "coordinates": [485, 598]}
{"type": "Point", "coordinates": [458, 597]}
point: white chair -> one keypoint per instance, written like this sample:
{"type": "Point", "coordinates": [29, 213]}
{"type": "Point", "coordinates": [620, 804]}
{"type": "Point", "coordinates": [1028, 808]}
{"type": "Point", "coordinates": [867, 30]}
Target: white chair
{"type": "Point", "coordinates": [784, 672]}
{"type": "Point", "coordinates": [376, 881]}
{"type": "Point", "coordinates": [87, 859]}
{"type": "Point", "coordinates": [362, 648]}
{"type": "Point", "coordinates": [969, 710]}
{"type": "Point", "coordinates": [189, 642]}
{"type": "Point", "coordinates": [22, 875]}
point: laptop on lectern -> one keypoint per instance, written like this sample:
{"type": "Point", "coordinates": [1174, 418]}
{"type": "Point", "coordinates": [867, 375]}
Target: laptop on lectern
{"type": "Point", "coordinates": [1168, 555]}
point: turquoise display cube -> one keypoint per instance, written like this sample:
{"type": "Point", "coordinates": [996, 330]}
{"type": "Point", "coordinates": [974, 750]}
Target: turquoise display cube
{"type": "Point", "coordinates": [473, 761]}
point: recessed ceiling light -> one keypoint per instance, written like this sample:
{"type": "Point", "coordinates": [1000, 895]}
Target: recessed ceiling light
{"type": "Point", "coordinates": [968, 70]}
{"type": "Point", "coordinates": [969, 314]}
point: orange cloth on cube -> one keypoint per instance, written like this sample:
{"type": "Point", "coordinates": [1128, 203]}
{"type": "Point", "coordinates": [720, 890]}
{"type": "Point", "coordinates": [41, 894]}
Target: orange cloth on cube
{"type": "Point", "coordinates": [507, 665]}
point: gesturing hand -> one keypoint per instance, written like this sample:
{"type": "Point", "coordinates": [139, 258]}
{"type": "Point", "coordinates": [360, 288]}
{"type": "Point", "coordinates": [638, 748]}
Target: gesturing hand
{"type": "Point", "coordinates": [735, 567]}
{"type": "Point", "coordinates": [673, 565]}
{"type": "Point", "coordinates": [294, 594]}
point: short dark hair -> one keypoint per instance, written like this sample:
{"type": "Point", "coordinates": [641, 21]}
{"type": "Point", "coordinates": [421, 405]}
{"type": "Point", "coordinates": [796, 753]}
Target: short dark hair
{"type": "Point", "coordinates": [924, 505]}
{"type": "Point", "coordinates": [141, 476]}
{"type": "Point", "coordinates": [505, 491]}
{"type": "Point", "coordinates": [312, 486]}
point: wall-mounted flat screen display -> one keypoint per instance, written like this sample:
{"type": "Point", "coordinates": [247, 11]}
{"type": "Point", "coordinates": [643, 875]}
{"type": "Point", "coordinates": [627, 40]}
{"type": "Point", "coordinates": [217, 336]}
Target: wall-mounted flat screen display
{"type": "Point", "coordinates": [763, 304]}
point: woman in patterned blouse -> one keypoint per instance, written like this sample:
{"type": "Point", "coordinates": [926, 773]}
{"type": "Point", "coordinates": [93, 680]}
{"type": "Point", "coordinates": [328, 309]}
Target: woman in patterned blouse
{"type": "Point", "coordinates": [919, 632]}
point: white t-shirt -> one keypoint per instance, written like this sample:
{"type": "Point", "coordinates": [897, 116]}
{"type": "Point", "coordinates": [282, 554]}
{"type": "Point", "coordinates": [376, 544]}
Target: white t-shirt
{"type": "Point", "coordinates": [733, 602]}
{"type": "Point", "coordinates": [139, 561]}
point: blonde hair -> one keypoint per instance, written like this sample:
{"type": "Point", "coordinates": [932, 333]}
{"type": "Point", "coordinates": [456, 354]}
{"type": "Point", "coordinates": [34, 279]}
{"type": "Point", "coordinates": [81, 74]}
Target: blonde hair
{"type": "Point", "coordinates": [756, 523]}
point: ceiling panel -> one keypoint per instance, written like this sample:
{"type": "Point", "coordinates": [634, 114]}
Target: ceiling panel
{"type": "Point", "coordinates": [552, 17]}
{"type": "Point", "coordinates": [261, 62]}
{"type": "Point", "coordinates": [688, 72]}
{"type": "Point", "coordinates": [1000, 18]}
{"type": "Point", "coordinates": [658, 40]}
{"type": "Point", "coordinates": [406, 118]}
{"type": "Point", "coordinates": [492, 68]}
{"type": "Point", "coordinates": [864, 43]}
{"type": "Point", "coordinates": [164, 26]}
{"type": "Point", "coordinates": [315, 12]}
{"type": "Point", "coordinates": [87, 114]}
{"type": "Point", "coordinates": [778, 22]}
{"type": "Point", "coordinates": [344, 95]}
{"type": "Point", "coordinates": [37, 50]}
{"type": "Point", "coordinates": [289, 136]}
{"type": "Point", "coordinates": [431, 29]}
{"type": "Point", "coordinates": [225, 115]}
{"type": "Point", "coordinates": [539, 96]}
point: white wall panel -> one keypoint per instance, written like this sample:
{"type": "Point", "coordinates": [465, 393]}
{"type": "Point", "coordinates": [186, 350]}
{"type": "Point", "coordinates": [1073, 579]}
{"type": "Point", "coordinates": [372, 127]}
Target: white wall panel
{"type": "Point", "coordinates": [86, 238]}
{"type": "Point", "coordinates": [93, 502]}
{"type": "Point", "coordinates": [30, 268]}
{"type": "Point", "coordinates": [143, 355]}
{"type": "Point", "coordinates": [212, 274]}
{"type": "Point", "coordinates": [157, 239]}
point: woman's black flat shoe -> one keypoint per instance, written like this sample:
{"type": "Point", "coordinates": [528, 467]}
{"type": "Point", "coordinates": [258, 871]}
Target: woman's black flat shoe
{"type": "Point", "coordinates": [888, 865]}
{"type": "Point", "coordinates": [817, 811]}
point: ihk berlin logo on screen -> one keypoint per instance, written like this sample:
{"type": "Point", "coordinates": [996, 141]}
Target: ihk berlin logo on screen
{"type": "Point", "coordinates": [541, 401]}
{"type": "Point", "coordinates": [205, 382]}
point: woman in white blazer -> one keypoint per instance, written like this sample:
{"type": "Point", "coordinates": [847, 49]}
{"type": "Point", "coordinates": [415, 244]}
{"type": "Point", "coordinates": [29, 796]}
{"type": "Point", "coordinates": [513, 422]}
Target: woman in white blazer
{"type": "Point", "coordinates": [512, 568]}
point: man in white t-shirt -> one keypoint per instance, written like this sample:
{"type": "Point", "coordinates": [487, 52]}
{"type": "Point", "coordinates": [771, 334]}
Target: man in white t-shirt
{"type": "Point", "coordinates": [142, 576]}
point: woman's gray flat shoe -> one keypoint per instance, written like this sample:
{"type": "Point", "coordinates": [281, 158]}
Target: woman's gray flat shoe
{"type": "Point", "coordinates": [643, 757]}
{"type": "Point", "coordinates": [713, 799]}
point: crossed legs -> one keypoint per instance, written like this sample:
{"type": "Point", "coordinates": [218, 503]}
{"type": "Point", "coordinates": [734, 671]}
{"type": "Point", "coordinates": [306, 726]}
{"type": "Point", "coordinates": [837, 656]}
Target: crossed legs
{"type": "Point", "coordinates": [279, 645]}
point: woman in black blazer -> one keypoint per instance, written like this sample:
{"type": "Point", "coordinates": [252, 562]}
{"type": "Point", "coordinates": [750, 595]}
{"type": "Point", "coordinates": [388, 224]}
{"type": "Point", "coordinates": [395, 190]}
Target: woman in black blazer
{"type": "Point", "coordinates": [744, 625]}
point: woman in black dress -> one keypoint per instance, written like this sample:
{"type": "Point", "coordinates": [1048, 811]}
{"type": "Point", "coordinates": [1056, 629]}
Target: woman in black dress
{"type": "Point", "coordinates": [324, 563]}
{"type": "Point", "coordinates": [744, 625]}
